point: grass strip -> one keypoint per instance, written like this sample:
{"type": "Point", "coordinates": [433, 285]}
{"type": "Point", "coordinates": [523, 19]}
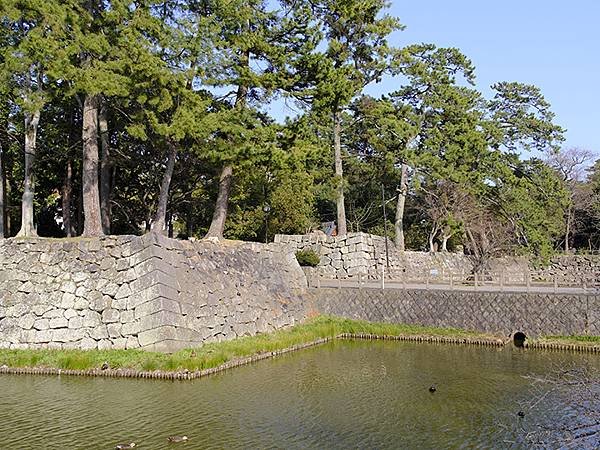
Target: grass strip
{"type": "Point", "coordinates": [580, 340]}
{"type": "Point", "coordinates": [218, 353]}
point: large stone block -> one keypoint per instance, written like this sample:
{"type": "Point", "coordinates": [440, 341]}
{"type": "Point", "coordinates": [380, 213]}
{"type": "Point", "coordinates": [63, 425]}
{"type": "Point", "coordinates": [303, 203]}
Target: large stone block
{"type": "Point", "coordinates": [59, 322]}
{"type": "Point", "coordinates": [156, 305]}
{"type": "Point", "coordinates": [151, 293]}
{"type": "Point", "coordinates": [111, 315]}
{"type": "Point", "coordinates": [153, 278]}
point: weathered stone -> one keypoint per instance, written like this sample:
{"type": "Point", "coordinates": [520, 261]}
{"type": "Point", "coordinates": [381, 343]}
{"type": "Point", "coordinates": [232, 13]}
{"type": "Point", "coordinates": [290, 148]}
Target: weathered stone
{"type": "Point", "coordinates": [156, 305]}
{"type": "Point", "coordinates": [81, 291]}
{"type": "Point", "coordinates": [132, 342]}
{"type": "Point", "coordinates": [105, 344]}
{"type": "Point", "coordinates": [27, 321]}
{"type": "Point", "coordinates": [110, 289]}
{"type": "Point", "coordinates": [114, 330]}
{"type": "Point", "coordinates": [99, 332]}
{"type": "Point", "coordinates": [81, 304]}
{"type": "Point", "coordinates": [131, 328]}
{"type": "Point", "coordinates": [110, 316]}
{"type": "Point", "coordinates": [88, 344]}
{"type": "Point", "coordinates": [54, 313]}
{"type": "Point", "coordinates": [70, 313]}
{"type": "Point", "coordinates": [127, 316]}
{"type": "Point", "coordinates": [75, 322]}
{"type": "Point", "coordinates": [123, 292]}
{"type": "Point", "coordinates": [41, 324]}
{"type": "Point", "coordinates": [91, 319]}
{"type": "Point", "coordinates": [151, 293]}
{"type": "Point", "coordinates": [67, 335]}
{"type": "Point", "coordinates": [122, 264]}
{"type": "Point", "coordinates": [119, 343]}
{"type": "Point", "coordinates": [59, 322]}
{"type": "Point", "coordinates": [69, 287]}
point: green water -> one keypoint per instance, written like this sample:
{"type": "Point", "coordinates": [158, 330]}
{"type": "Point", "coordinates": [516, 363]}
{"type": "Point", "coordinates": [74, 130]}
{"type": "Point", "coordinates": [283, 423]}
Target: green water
{"type": "Point", "coordinates": [347, 394]}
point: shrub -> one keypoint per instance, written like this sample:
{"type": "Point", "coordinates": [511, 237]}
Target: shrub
{"type": "Point", "coordinates": [307, 258]}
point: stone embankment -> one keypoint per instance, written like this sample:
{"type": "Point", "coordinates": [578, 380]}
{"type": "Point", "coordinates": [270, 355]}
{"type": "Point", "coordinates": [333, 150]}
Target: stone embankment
{"type": "Point", "coordinates": [146, 292]}
{"type": "Point", "coordinates": [361, 254]}
{"type": "Point", "coordinates": [497, 313]}
{"type": "Point", "coordinates": [364, 255]}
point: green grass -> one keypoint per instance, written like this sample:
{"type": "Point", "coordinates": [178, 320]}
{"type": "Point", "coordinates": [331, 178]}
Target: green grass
{"type": "Point", "coordinates": [581, 339]}
{"type": "Point", "coordinates": [214, 354]}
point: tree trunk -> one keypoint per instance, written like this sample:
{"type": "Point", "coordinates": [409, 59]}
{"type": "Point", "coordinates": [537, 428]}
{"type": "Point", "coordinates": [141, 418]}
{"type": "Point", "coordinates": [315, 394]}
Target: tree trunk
{"type": "Point", "coordinates": [339, 173]}
{"type": "Point", "coordinates": [217, 225]}
{"type": "Point", "coordinates": [31, 125]}
{"type": "Point", "coordinates": [159, 224]}
{"type": "Point", "coordinates": [105, 169]}
{"type": "Point", "coordinates": [433, 233]}
{"type": "Point", "coordinates": [445, 239]}
{"type": "Point", "coordinates": [2, 184]}
{"type": "Point", "coordinates": [67, 198]}
{"type": "Point", "coordinates": [568, 228]}
{"type": "Point", "coordinates": [399, 224]}
{"type": "Point", "coordinates": [91, 195]}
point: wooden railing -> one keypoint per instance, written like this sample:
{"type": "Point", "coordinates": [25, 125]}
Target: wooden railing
{"type": "Point", "coordinates": [448, 280]}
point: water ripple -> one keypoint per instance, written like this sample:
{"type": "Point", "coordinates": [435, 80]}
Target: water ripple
{"type": "Point", "coordinates": [344, 394]}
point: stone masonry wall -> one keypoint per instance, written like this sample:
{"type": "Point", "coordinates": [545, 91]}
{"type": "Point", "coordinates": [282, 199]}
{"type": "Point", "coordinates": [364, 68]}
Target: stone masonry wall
{"type": "Point", "coordinates": [143, 292]}
{"type": "Point", "coordinates": [364, 254]}
{"type": "Point", "coordinates": [361, 254]}
{"type": "Point", "coordinates": [491, 312]}
{"type": "Point", "coordinates": [572, 269]}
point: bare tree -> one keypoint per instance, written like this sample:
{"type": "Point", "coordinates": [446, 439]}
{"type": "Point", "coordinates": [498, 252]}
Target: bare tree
{"type": "Point", "coordinates": [571, 165]}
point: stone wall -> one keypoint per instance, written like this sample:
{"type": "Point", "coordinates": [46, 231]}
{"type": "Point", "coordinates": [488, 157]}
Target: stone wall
{"type": "Point", "coordinates": [571, 269]}
{"type": "Point", "coordinates": [498, 313]}
{"type": "Point", "coordinates": [143, 292]}
{"type": "Point", "coordinates": [361, 254]}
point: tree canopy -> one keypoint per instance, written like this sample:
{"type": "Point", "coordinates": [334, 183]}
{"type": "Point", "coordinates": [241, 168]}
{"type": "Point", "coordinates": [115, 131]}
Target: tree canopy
{"type": "Point", "coordinates": [172, 101]}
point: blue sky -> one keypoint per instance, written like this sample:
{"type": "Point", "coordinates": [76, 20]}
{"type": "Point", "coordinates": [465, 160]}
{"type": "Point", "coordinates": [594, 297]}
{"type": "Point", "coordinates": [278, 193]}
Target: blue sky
{"type": "Point", "coordinates": [552, 44]}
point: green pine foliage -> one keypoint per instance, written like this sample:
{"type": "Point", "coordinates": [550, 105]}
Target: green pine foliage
{"type": "Point", "coordinates": [199, 77]}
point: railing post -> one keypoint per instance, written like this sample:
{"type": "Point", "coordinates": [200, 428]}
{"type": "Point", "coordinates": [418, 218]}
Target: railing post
{"type": "Point", "coordinates": [452, 281]}
{"type": "Point", "coordinates": [318, 282]}
{"type": "Point", "coordinates": [476, 279]}
{"type": "Point", "coordinates": [339, 283]}
{"type": "Point", "coordinates": [528, 281]}
{"type": "Point", "coordinates": [359, 281]}
{"type": "Point", "coordinates": [502, 279]}
{"type": "Point", "coordinates": [427, 281]}
{"type": "Point", "coordinates": [382, 277]}
{"type": "Point", "coordinates": [555, 282]}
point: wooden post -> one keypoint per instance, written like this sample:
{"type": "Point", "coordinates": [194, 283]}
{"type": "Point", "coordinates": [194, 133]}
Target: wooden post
{"type": "Point", "coordinates": [452, 281]}
{"type": "Point", "coordinates": [528, 281]}
{"type": "Point", "coordinates": [502, 279]}
{"type": "Point", "coordinates": [555, 282]}
{"type": "Point", "coordinates": [382, 277]}
{"type": "Point", "coordinates": [476, 279]}
{"type": "Point", "coordinates": [427, 281]}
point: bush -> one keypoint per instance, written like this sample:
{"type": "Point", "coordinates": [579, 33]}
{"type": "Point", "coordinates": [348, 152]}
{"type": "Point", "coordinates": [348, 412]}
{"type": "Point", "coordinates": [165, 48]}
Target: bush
{"type": "Point", "coordinates": [308, 258]}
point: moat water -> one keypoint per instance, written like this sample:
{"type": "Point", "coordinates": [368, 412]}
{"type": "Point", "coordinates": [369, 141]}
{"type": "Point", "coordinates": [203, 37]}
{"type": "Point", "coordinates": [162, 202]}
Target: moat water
{"type": "Point", "coordinates": [346, 394]}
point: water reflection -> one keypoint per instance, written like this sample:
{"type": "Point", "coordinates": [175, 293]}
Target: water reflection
{"type": "Point", "coordinates": [341, 395]}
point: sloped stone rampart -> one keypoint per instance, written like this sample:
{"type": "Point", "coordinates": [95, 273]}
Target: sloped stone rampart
{"type": "Point", "coordinates": [501, 313]}
{"type": "Point", "coordinates": [362, 254]}
{"type": "Point", "coordinates": [145, 292]}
